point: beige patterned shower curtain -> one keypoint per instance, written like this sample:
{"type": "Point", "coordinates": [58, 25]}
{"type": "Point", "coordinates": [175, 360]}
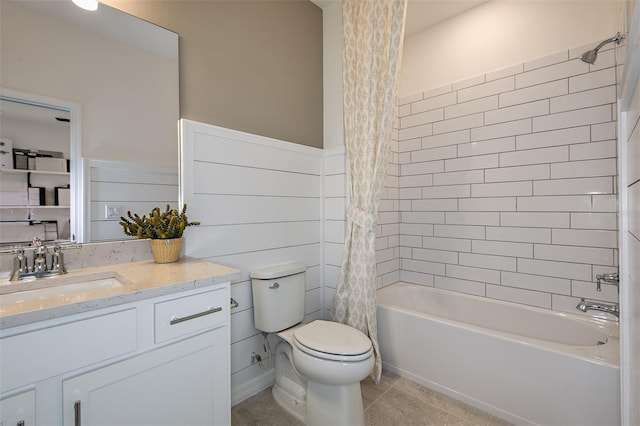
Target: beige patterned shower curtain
{"type": "Point", "coordinates": [373, 32]}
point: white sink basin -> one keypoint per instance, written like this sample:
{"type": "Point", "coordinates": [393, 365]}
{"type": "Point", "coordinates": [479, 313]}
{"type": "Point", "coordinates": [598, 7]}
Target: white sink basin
{"type": "Point", "coordinates": [46, 292]}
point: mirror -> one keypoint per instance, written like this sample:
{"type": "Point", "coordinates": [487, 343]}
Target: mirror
{"type": "Point", "coordinates": [35, 172]}
{"type": "Point", "coordinates": [117, 78]}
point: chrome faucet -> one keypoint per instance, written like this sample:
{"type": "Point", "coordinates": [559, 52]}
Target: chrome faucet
{"type": "Point", "coordinates": [585, 306]}
{"type": "Point", "coordinates": [39, 266]}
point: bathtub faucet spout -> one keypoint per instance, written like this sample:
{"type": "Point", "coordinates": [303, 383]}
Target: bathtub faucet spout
{"type": "Point", "coordinates": [585, 306]}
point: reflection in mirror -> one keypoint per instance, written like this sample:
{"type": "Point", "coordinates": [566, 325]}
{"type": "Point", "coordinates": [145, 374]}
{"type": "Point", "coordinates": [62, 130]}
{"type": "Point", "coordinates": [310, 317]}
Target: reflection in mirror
{"type": "Point", "coordinates": [35, 195]}
{"type": "Point", "coordinates": [122, 73]}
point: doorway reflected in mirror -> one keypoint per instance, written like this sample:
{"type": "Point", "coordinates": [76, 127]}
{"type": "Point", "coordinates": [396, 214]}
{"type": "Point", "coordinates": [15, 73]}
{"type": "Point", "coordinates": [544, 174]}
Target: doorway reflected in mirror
{"type": "Point", "coordinates": [35, 189]}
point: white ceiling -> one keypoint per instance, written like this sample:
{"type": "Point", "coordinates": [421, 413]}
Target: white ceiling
{"type": "Point", "coordinates": [422, 14]}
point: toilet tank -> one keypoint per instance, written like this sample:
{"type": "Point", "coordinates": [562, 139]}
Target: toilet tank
{"type": "Point", "coordinates": [278, 296]}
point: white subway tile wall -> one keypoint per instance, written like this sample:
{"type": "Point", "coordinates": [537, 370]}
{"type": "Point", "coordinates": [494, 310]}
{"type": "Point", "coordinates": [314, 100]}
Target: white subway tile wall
{"type": "Point", "coordinates": [507, 185]}
{"type": "Point", "coordinates": [388, 231]}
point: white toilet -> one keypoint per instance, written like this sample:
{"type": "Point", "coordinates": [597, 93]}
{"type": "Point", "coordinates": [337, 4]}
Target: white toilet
{"type": "Point", "coordinates": [318, 365]}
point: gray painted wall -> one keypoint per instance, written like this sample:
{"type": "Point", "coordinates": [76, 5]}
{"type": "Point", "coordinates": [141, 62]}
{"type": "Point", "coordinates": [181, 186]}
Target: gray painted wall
{"type": "Point", "coordinates": [253, 66]}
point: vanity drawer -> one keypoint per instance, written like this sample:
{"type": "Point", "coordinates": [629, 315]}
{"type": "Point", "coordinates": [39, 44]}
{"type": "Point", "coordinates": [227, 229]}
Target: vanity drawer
{"type": "Point", "coordinates": [37, 355]}
{"type": "Point", "coordinates": [185, 315]}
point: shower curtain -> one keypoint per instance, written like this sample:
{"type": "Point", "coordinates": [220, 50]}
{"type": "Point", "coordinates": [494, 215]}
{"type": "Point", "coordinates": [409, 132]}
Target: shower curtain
{"type": "Point", "coordinates": [373, 32]}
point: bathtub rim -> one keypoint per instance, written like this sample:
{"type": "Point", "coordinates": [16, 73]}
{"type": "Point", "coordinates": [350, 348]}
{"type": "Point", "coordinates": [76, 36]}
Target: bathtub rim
{"type": "Point", "coordinates": [606, 354]}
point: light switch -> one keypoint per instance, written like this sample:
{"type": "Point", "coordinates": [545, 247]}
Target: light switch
{"type": "Point", "coordinates": [112, 212]}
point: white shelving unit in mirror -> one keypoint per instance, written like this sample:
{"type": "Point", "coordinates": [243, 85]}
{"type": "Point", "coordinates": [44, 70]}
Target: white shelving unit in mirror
{"type": "Point", "coordinates": [33, 203]}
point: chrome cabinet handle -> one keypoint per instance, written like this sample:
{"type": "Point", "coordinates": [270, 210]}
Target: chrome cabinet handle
{"type": "Point", "coordinates": [233, 303]}
{"type": "Point", "coordinates": [176, 320]}
{"type": "Point", "coordinates": [76, 411]}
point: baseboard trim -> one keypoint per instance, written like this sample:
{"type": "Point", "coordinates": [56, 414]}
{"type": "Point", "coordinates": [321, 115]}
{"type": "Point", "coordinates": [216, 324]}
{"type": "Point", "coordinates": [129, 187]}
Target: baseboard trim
{"type": "Point", "coordinates": [251, 387]}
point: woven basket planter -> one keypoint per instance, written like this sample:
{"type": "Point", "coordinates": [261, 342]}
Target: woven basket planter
{"type": "Point", "coordinates": [166, 251]}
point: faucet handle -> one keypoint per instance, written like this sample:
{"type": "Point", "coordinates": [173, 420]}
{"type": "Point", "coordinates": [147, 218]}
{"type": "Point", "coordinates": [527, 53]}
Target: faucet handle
{"type": "Point", "coordinates": [611, 278]}
{"type": "Point", "coordinates": [57, 260]}
{"type": "Point", "coordinates": [40, 249]}
{"type": "Point", "coordinates": [19, 265]}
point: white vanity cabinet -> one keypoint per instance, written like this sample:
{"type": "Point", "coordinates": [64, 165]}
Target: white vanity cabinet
{"type": "Point", "coordinates": [19, 410]}
{"type": "Point", "coordinates": [159, 361]}
{"type": "Point", "coordinates": [177, 384]}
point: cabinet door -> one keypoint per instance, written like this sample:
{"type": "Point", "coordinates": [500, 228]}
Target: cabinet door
{"type": "Point", "coordinates": [19, 410]}
{"type": "Point", "coordinates": [186, 383]}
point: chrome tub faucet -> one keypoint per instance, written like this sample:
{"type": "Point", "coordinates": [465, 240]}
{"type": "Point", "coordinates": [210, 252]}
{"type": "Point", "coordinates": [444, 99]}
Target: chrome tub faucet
{"type": "Point", "coordinates": [586, 305]}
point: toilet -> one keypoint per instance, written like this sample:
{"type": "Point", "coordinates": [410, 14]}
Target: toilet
{"type": "Point", "coordinates": [318, 365]}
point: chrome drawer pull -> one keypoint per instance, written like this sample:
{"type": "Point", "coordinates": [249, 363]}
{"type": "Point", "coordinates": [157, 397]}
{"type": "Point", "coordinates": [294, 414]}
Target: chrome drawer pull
{"type": "Point", "coordinates": [77, 413]}
{"type": "Point", "coordinates": [176, 320]}
{"type": "Point", "coordinates": [234, 304]}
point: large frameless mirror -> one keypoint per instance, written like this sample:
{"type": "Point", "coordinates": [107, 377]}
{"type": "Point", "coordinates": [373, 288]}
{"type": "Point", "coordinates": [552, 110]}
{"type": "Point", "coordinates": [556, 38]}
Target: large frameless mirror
{"type": "Point", "coordinates": [90, 104]}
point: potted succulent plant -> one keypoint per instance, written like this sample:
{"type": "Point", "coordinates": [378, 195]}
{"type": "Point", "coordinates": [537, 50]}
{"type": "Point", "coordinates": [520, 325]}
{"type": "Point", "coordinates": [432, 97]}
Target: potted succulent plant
{"type": "Point", "coordinates": [165, 230]}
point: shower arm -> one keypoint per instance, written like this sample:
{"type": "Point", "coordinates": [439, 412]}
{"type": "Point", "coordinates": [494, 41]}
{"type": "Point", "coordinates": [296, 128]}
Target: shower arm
{"type": "Point", "coordinates": [617, 39]}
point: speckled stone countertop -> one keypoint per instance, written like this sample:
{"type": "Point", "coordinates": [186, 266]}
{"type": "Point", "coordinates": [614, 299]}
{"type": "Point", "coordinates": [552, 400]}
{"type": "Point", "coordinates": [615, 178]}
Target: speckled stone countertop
{"type": "Point", "coordinates": [54, 297]}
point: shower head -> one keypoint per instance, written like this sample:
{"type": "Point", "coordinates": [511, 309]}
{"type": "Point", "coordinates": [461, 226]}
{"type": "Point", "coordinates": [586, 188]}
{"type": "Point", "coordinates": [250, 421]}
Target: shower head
{"type": "Point", "coordinates": [591, 55]}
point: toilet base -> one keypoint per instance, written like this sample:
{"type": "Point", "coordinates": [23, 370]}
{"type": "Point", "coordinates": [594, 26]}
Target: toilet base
{"type": "Point", "coordinates": [289, 390]}
{"type": "Point", "coordinates": [325, 405]}
{"type": "Point", "coordinates": [334, 405]}
{"type": "Point", "coordinates": [292, 405]}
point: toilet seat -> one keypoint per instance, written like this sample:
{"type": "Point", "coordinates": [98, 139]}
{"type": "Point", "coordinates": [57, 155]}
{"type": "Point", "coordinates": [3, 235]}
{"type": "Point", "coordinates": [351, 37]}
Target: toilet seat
{"type": "Point", "coordinates": [332, 341]}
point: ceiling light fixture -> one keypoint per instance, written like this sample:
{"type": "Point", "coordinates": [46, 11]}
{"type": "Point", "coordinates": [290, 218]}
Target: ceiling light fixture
{"type": "Point", "coordinates": [87, 4]}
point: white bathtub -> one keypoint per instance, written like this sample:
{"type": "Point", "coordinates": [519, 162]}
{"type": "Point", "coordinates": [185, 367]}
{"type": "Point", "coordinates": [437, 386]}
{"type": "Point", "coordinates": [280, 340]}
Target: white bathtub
{"type": "Point", "coordinates": [522, 364]}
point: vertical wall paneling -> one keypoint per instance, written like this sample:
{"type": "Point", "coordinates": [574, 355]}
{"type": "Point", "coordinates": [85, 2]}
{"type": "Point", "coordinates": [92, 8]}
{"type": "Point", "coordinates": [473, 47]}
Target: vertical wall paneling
{"type": "Point", "coordinates": [259, 204]}
{"type": "Point", "coordinates": [335, 198]}
{"type": "Point", "coordinates": [127, 187]}
{"type": "Point", "coordinates": [507, 186]}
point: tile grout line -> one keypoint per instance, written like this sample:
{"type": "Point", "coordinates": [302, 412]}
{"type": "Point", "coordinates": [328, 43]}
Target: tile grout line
{"type": "Point", "coordinates": [381, 395]}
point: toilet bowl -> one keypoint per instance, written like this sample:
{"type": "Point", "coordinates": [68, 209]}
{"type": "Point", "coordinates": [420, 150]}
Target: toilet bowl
{"type": "Point", "coordinates": [318, 366]}
{"type": "Point", "coordinates": [330, 359]}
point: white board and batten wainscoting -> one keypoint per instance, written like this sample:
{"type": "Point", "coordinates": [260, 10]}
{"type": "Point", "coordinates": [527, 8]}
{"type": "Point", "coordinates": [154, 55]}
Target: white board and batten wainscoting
{"type": "Point", "coordinates": [259, 201]}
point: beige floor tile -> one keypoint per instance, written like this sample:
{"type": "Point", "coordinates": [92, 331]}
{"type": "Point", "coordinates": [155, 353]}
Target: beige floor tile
{"type": "Point", "coordinates": [494, 421]}
{"type": "Point", "coordinates": [395, 402]}
{"type": "Point", "coordinates": [261, 409]}
{"type": "Point", "coordinates": [466, 413]}
{"type": "Point", "coordinates": [371, 392]}
{"type": "Point", "coordinates": [389, 378]}
{"type": "Point", "coordinates": [399, 408]}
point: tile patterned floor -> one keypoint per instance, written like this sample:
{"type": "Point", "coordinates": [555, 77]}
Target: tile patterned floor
{"type": "Point", "coordinates": [395, 402]}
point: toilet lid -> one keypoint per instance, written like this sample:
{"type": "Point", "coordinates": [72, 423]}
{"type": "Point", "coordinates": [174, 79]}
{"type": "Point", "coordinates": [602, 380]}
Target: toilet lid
{"type": "Point", "coordinates": [332, 338]}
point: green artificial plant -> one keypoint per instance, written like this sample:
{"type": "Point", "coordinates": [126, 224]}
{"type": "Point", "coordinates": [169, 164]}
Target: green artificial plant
{"type": "Point", "coordinates": [166, 225]}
